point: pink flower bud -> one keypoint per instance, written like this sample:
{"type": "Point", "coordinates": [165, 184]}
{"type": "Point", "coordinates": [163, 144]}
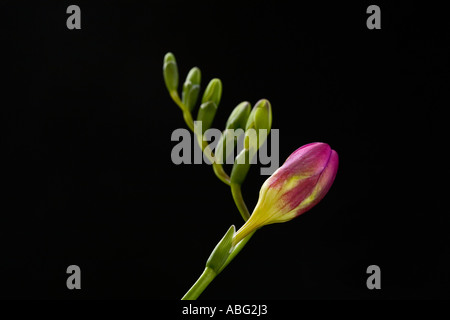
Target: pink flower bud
{"type": "Point", "coordinates": [297, 186]}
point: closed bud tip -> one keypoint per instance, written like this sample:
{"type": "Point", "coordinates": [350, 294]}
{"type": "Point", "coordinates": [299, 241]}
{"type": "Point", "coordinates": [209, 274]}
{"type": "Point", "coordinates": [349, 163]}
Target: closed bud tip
{"type": "Point", "coordinates": [213, 92]}
{"type": "Point", "coordinates": [194, 76]}
{"type": "Point", "coordinates": [239, 116]}
{"type": "Point", "coordinates": [169, 57]}
{"type": "Point", "coordinates": [260, 119]}
{"type": "Point", "coordinates": [263, 115]}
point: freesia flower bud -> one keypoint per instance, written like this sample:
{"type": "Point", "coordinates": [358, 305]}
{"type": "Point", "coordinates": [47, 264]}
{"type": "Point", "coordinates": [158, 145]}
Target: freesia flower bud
{"type": "Point", "coordinates": [260, 119]}
{"type": "Point", "coordinates": [297, 186]}
{"type": "Point", "coordinates": [213, 92]}
{"type": "Point", "coordinates": [206, 115]}
{"type": "Point", "coordinates": [261, 116]}
{"type": "Point", "coordinates": [170, 72]}
{"type": "Point", "coordinates": [241, 167]}
{"type": "Point", "coordinates": [191, 88]}
{"type": "Point", "coordinates": [238, 117]}
{"type": "Point", "coordinates": [237, 120]}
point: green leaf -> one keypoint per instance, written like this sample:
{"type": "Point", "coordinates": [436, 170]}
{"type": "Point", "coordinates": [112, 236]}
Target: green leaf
{"type": "Point", "coordinates": [221, 252]}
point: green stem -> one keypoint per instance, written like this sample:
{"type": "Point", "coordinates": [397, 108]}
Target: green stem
{"type": "Point", "coordinates": [186, 113]}
{"type": "Point", "coordinates": [220, 173]}
{"type": "Point", "coordinates": [176, 98]}
{"type": "Point", "coordinates": [187, 116]}
{"type": "Point", "coordinates": [209, 274]}
{"type": "Point", "coordinates": [239, 200]}
{"type": "Point", "coordinates": [188, 119]}
{"type": "Point", "coordinates": [196, 290]}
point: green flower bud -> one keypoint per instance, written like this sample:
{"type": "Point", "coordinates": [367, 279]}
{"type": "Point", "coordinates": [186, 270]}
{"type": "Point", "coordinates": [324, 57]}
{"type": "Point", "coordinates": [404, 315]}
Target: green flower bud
{"type": "Point", "coordinates": [191, 88]}
{"type": "Point", "coordinates": [263, 115]}
{"type": "Point", "coordinates": [194, 76]}
{"type": "Point", "coordinates": [170, 72]}
{"type": "Point", "coordinates": [227, 143]}
{"type": "Point", "coordinates": [221, 252]}
{"type": "Point", "coordinates": [238, 117]}
{"type": "Point", "coordinates": [213, 92]}
{"type": "Point", "coordinates": [230, 136]}
{"type": "Point", "coordinates": [240, 167]}
{"type": "Point", "coordinates": [260, 118]}
{"type": "Point", "coordinates": [206, 115]}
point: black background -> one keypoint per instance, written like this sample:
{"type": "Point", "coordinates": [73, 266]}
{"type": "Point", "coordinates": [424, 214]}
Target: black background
{"type": "Point", "coordinates": [87, 176]}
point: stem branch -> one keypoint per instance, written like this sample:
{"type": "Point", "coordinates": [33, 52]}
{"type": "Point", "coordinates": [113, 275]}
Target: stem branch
{"type": "Point", "coordinates": [239, 200]}
{"type": "Point", "coordinates": [187, 116]}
